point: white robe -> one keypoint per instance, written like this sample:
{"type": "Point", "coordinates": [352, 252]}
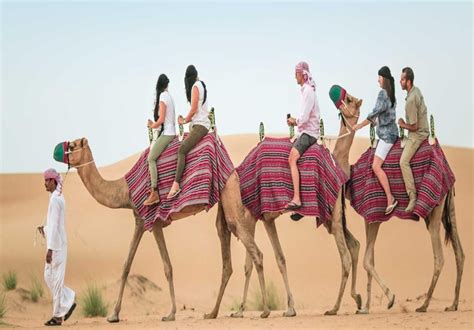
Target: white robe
{"type": "Point", "coordinates": [56, 240]}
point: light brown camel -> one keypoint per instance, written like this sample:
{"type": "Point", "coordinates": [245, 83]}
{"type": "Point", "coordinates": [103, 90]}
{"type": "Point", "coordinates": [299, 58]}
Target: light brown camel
{"type": "Point", "coordinates": [347, 244]}
{"type": "Point", "coordinates": [433, 222]}
{"type": "Point", "coordinates": [115, 194]}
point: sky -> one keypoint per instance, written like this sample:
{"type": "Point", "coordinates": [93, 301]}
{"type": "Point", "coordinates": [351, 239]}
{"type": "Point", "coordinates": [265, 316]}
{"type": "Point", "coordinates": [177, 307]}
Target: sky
{"type": "Point", "coordinates": [89, 69]}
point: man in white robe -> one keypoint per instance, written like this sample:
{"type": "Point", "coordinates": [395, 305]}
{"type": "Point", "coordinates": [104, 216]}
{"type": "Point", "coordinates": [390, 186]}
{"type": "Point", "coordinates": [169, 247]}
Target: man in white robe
{"type": "Point", "coordinates": [56, 256]}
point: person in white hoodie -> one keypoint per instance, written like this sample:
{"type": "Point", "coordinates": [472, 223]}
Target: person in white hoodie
{"type": "Point", "coordinates": [56, 255]}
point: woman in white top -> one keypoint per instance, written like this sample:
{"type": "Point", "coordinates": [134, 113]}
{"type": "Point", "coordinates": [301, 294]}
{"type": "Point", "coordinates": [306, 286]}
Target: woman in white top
{"type": "Point", "coordinates": [196, 93]}
{"type": "Point", "coordinates": [164, 116]}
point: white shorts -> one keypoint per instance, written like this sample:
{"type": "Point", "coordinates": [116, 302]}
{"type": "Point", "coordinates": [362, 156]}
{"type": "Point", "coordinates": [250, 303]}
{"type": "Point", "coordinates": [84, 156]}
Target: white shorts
{"type": "Point", "coordinates": [382, 149]}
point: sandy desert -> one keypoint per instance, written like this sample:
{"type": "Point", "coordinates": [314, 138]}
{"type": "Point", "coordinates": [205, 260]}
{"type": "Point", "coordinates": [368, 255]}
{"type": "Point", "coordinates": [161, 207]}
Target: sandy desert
{"type": "Point", "coordinates": [99, 240]}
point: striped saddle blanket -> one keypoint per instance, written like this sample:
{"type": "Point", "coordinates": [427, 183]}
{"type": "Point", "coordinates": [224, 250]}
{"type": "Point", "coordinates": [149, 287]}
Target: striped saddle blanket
{"type": "Point", "coordinates": [431, 171]}
{"type": "Point", "coordinates": [266, 185]}
{"type": "Point", "coordinates": [208, 166]}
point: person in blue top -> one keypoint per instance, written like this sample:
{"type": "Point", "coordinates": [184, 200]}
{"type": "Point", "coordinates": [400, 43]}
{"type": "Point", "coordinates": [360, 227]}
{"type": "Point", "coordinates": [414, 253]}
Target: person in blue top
{"type": "Point", "coordinates": [384, 117]}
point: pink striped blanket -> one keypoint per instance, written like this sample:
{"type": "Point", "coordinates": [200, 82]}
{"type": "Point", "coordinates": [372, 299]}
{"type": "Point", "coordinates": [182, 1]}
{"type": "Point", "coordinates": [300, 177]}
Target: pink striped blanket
{"type": "Point", "coordinates": [433, 179]}
{"type": "Point", "coordinates": [266, 185]}
{"type": "Point", "coordinates": [208, 166]}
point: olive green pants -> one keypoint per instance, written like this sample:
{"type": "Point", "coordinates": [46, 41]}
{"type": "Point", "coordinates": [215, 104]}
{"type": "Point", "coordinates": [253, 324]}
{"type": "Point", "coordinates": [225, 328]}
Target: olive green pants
{"type": "Point", "coordinates": [411, 146]}
{"type": "Point", "coordinates": [156, 148]}
{"type": "Point", "coordinates": [196, 134]}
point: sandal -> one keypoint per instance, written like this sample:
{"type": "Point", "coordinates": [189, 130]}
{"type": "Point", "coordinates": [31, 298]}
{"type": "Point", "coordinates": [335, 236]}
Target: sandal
{"type": "Point", "coordinates": [292, 206]}
{"type": "Point", "coordinates": [53, 322]}
{"type": "Point", "coordinates": [174, 194]}
{"type": "Point", "coordinates": [391, 207]}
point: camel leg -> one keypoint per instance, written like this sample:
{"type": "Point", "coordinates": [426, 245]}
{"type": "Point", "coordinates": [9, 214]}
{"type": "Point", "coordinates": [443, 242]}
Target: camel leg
{"type": "Point", "coordinates": [281, 261]}
{"type": "Point", "coordinates": [338, 232]}
{"type": "Point", "coordinates": [248, 273]}
{"type": "Point", "coordinates": [241, 224]}
{"type": "Point", "coordinates": [369, 259]}
{"type": "Point", "coordinates": [369, 265]}
{"type": "Point", "coordinates": [459, 254]}
{"type": "Point", "coordinates": [434, 230]}
{"type": "Point", "coordinates": [160, 241]}
{"type": "Point", "coordinates": [354, 246]}
{"type": "Point", "coordinates": [224, 236]}
{"type": "Point", "coordinates": [244, 233]}
{"type": "Point", "coordinates": [137, 236]}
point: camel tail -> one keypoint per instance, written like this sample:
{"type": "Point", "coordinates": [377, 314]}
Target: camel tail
{"type": "Point", "coordinates": [446, 218]}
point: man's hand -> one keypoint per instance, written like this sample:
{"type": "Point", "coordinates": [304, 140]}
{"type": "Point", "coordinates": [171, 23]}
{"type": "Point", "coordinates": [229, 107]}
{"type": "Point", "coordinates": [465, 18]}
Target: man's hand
{"type": "Point", "coordinates": [150, 123]}
{"type": "Point", "coordinates": [401, 123]}
{"type": "Point", "coordinates": [181, 120]}
{"type": "Point", "coordinates": [49, 256]}
{"type": "Point", "coordinates": [291, 121]}
{"type": "Point", "coordinates": [41, 230]}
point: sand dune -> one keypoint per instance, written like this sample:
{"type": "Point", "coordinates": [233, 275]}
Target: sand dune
{"type": "Point", "coordinates": [99, 238]}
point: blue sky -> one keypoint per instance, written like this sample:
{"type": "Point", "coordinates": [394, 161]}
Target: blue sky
{"type": "Point", "coordinates": [89, 69]}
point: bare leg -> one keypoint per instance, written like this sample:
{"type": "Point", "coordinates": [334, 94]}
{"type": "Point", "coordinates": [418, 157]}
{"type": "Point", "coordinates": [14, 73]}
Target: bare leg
{"type": "Point", "coordinates": [434, 230]}
{"type": "Point", "coordinates": [295, 174]}
{"type": "Point", "coordinates": [459, 254]}
{"type": "Point", "coordinates": [338, 232]}
{"type": "Point", "coordinates": [224, 236]}
{"type": "Point", "coordinates": [280, 259]}
{"type": "Point", "coordinates": [137, 236]}
{"type": "Point", "coordinates": [354, 246]}
{"type": "Point", "coordinates": [380, 173]}
{"type": "Point", "coordinates": [160, 241]}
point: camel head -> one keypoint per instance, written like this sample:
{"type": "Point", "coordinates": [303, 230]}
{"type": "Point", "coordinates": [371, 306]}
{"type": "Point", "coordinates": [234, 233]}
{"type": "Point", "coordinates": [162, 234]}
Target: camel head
{"type": "Point", "coordinates": [75, 153]}
{"type": "Point", "coordinates": [348, 105]}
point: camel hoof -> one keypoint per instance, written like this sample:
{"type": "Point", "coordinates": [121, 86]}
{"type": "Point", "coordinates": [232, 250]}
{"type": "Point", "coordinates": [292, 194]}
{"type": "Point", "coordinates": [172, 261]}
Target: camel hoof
{"type": "Point", "coordinates": [290, 312]}
{"type": "Point", "coordinates": [113, 319]}
{"type": "Point", "coordinates": [210, 316]}
{"type": "Point", "coordinates": [421, 309]}
{"type": "Point", "coordinates": [265, 314]}
{"type": "Point", "coordinates": [168, 318]}
{"type": "Point", "coordinates": [391, 302]}
{"type": "Point", "coordinates": [331, 312]}
{"type": "Point", "coordinates": [237, 315]}
{"type": "Point", "coordinates": [358, 300]}
{"type": "Point", "coordinates": [452, 308]}
{"type": "Point", "coordinates": [362, 311]}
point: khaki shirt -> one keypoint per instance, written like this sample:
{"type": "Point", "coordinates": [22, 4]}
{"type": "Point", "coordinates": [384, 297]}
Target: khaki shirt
{"type": "Point", "coordinates": [416, 112]}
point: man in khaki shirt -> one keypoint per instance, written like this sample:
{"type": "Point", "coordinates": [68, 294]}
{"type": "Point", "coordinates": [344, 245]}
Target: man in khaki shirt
{"type": "Point", "coordinates": [417, 126]}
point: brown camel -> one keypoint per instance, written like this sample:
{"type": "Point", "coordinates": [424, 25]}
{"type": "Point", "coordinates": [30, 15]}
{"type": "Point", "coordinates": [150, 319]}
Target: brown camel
{"type": "Point", "coordinates": [347, 244]}
{"type": "Point", "coordinates": [433, 221]}
{"type": "Point", "coordinates": [115, 194]}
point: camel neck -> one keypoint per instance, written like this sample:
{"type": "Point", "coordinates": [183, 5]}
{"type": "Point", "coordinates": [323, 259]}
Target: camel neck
{"type": "Point", "coordinates": [343, 146]}
{"type": "Point", "coordinates": [113, 194]}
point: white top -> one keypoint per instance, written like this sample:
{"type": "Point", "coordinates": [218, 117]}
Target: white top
{"type": "Point", "coordinates": [55, 229]}
{"type": "Point", "coordinates": [170, 117]}
{"type": "Point", "coordinates": [201, 117]}
{"type": "Point", "coordinates": [308, 118]}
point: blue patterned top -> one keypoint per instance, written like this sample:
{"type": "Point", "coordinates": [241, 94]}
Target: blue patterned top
{"type": "Point", "coordinates": [384, 116]}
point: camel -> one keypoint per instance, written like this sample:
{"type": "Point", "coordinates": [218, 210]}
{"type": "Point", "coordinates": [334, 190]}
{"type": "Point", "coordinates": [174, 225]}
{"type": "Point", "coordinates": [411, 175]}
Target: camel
{"type": "Point", "coordinates": [115, 194]}
{"type": "Point", "coordinates": [433, 221]}
{"type": "Point", "coordinates": [348, 246]}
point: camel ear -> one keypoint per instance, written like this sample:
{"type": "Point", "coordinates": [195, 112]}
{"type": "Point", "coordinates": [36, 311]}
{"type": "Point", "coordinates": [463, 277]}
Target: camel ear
{"type": "Point", "coordinates": [84, 142]}
{"type": "Point", "coordinates": [359, 103]}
